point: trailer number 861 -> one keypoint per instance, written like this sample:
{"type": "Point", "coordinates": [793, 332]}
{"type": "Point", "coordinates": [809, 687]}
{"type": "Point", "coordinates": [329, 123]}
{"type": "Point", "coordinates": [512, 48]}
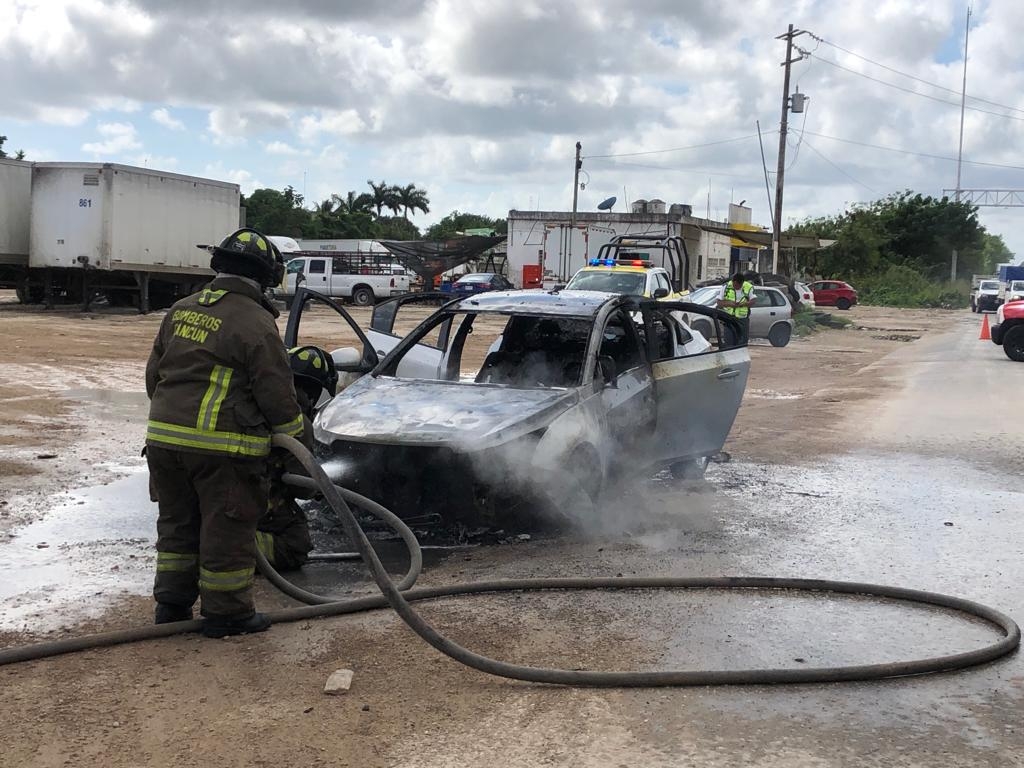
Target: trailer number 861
{"type": "Point", "coordinates": [84, 202]}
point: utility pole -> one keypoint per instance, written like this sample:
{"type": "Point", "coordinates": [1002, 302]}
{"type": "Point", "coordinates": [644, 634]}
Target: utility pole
{"type": "Point", "coordinates": [575, 202]}
{"type": "Point", "coordinates": [960, 151]}
{"type": "Point", "coordinates": [780, 174]}
{"type": "Point", "coordinates": [576, 182]}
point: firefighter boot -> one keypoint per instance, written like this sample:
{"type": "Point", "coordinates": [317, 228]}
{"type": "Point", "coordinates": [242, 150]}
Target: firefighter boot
{"type": "Point", "coordinates": [224, 626]}
{"type": "Point", "coordinates": [167, 613]}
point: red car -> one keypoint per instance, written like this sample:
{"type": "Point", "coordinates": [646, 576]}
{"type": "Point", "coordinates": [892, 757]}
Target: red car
{"type": "Point", "coordinates": [833, 293]}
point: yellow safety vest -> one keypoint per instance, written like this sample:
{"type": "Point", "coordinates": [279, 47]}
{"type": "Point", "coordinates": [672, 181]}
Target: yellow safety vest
{"type": "Point", "coordinates": [746, 292]}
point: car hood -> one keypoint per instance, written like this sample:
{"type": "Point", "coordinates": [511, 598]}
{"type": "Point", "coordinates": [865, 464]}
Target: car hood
{"type": "Point", "coordinates": [465, 417]}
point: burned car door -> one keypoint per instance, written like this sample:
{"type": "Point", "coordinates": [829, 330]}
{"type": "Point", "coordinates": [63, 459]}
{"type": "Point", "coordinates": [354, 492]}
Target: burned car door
{"type": "Point", "coordinates": [626, 379]}
{"type": "Point", "coordinates": [697, 395]}
{"type": "Point", "coordinates": [352, 360]}
{"type": "Point", "coordinates": [388, 322]}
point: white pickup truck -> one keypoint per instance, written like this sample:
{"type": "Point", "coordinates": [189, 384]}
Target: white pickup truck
{"type": "Point", "coordinates": [361, 278]}
{"type": "Point", "coordinates": [985, 295]}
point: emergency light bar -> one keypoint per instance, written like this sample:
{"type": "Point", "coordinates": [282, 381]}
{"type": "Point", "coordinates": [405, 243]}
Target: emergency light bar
{"type": "Point", "coordinates": [618, 263]}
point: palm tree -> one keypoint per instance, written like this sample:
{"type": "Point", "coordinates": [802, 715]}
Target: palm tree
{"type": "Point", "coordinates": [394, 200]}
{"type": "Point", "coordinates": [380, 194]}
{"type": "Point", "coordinates": [358, 203]}
{"type": "Point", "coordinates": [412, 198]}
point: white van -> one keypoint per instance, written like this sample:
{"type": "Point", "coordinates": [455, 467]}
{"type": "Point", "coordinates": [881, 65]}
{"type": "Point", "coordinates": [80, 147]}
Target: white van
{"type": "Point", "coordinates": [362, 278]}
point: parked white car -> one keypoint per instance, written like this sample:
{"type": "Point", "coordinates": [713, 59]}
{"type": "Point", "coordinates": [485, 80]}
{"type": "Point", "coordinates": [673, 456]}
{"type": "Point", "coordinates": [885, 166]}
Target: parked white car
{"type": "Point", "coordinates": [771, 317]}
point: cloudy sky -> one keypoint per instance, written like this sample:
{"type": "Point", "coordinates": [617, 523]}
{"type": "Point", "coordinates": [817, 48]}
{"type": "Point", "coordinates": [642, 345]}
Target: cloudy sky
{"type": "Point", "coordinates": [482, 101]}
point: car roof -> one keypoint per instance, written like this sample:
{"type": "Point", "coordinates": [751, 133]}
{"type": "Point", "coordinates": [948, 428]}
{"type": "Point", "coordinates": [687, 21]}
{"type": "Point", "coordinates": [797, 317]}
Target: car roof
{"type": "Point", "coordinates": [568, 303]}
{"type": "Point", "coordinates": [473, 274]}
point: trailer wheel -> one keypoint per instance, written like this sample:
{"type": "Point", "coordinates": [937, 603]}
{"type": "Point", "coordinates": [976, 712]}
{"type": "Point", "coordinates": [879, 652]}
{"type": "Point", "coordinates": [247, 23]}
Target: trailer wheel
{"type": "Point", "coordinates": [362, 296]}
{"type": "Point", "coordinates": [1013, 343]}
{"type": "Point", "coordinates": [29, 293]}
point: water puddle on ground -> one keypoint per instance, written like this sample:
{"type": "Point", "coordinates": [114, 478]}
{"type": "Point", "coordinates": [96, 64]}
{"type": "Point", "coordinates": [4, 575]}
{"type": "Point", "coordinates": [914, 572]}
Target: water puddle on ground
{"type": "Point", "coordinates": [92, 546]}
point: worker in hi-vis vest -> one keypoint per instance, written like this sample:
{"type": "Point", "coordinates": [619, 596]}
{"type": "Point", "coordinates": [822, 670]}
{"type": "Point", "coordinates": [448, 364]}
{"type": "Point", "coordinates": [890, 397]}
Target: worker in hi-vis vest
{"type": "Point", "coordinates": [737, 298]}
{"type": "Point", "coordinates": [220, 384]}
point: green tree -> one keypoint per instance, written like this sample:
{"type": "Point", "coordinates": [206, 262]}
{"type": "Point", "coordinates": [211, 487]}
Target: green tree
{"type": "Point", "coordinates": [412, 198]}
{"type": "Point", "coordinates": [993, 251]}
{"type": "Point", "coordinates": [278, 212]}
{"type": "Point", "coordinates": [903, 229]}
{"type": "Point", "coordinates": [396, 228]}
{"type": "Point", "coordinates": [19, 155]}
{"type": "Point", "coordinates": [358, 202]}
{"type": "Point", "coordinates": [456, 222]}
{"type": "Point", "coordinates": [383, 196]}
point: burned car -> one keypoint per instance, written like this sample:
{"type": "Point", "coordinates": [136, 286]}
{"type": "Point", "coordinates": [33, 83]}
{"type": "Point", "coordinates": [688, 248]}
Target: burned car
{"type": "Point", "coordinates": [523, 398]}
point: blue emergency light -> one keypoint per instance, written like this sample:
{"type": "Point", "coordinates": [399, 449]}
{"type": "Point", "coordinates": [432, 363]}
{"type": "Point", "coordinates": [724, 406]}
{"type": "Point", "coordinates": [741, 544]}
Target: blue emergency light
{"type": "Point", "coordinates": [601, 263]}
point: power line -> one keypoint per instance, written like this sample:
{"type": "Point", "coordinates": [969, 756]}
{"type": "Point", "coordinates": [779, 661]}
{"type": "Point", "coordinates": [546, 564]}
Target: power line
{"type": "Point", "coordinates": [847, 175]}
{"type": "Point", "coordinates": [908, 75]}
{"type": "Point", "coordinates": [676, 149]}
{"type": "Point", "coordinates": [915, 154]}
{"type": "Point", "coordinates": [915, 93]}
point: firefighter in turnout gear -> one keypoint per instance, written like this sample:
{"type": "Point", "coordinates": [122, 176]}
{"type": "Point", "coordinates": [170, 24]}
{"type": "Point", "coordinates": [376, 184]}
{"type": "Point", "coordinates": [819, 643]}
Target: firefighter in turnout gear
{"type": "Point", "coordinates": [220, 384]}
{"type": "Point", "coordinates": [283, 532]}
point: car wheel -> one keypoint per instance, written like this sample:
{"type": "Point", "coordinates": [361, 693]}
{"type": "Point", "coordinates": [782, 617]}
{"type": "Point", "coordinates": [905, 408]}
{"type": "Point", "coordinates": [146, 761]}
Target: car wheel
{"type": "Point", "coordinates": [1013, 343]}
{"type": "Point", "coordinates": [974, 307]}
{"type": "Point", "coordinates": [362, 297]}
{"type": "Point", "coordinates": [842, 303]}
{"type": "Point", "coordinates": [780, 334]}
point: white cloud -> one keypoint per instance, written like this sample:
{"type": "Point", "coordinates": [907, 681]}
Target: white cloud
{"type": "Point", "coordinates": [281, 148]}
{"type": "Point", "coordinates": [244, 179]}
{"type": "Point", "coordinates": [344, 123]}
{"type": "Point", "coordinates": [117, 139]}
{"type": "Point", "coordinates": [162, 116]}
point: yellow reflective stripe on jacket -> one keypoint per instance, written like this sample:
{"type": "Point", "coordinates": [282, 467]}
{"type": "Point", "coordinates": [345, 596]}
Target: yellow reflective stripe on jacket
{"type": "Point", "coordinates": [233, 443]}
{"type": "Point", "coordinates": [265, 542]}
{"type": "Point", "coordinates": [226, 581]}
{"type": "Point", "coordinates": [209, 296]}
{"type": "Point", "coordinates": [209, 409]}
{"type": "Point", "coordinates": [293, 427]}
{"type": "Point", "coordinates": [176, 561]}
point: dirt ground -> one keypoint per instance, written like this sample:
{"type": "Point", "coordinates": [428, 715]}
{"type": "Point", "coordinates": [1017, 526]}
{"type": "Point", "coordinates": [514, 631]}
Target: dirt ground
{"type": "Point", "coordinates": [71, 391]}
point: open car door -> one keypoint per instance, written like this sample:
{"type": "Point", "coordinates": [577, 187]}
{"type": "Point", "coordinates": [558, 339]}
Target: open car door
{"type": "Point", "coordinates": [389, 325]}
{"type": "Point", "coordinates": [344, 341]}
{"type": "Point", "coordinates": [697, 394]}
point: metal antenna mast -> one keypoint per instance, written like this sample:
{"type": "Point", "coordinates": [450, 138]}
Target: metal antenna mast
{"type": "Point", "coordinates": [960, 150]}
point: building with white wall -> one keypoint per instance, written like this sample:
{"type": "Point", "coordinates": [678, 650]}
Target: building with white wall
{"type": "Point", "coordinates": [545, 244]}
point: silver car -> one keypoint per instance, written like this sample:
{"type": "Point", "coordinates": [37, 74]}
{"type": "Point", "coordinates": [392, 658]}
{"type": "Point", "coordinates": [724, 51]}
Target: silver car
{"type": "Point", "coordinates": [771, 317]}
{"type": "Point", "coordinates": [506, 397]}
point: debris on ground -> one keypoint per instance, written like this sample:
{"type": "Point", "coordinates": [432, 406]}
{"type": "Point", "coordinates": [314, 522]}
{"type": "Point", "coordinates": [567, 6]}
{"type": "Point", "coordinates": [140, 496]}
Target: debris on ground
{"type": "Point", "coordinates": [339, 682]}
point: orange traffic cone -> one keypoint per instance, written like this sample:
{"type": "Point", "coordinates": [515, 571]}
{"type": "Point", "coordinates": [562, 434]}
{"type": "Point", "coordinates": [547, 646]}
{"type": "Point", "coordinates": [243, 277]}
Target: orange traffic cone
{"type": "Point", "coordinates": [985, 334]}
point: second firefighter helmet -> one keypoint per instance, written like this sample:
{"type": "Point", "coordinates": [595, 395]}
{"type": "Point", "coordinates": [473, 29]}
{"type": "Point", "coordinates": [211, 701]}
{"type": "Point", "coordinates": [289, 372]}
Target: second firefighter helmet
{"type": "Point", "coordinates": [314, 371]}
{"type": "Point", "coordinates": [248, 253]}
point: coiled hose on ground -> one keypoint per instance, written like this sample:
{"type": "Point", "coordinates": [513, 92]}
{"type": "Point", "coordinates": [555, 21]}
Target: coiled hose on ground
{"type": "Point", "coordinates": [399, 597]}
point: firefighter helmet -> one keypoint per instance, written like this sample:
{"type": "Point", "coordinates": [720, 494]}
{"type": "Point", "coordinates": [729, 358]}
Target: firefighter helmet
{"type": "Point", "coordinates": [314, 371]}
{"type": "Point", "coordinates": [248, 253]}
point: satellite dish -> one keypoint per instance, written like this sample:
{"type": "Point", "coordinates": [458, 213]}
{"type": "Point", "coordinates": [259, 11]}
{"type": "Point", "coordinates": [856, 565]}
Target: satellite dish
{"type": "Point", "coordinates": [606, 205]}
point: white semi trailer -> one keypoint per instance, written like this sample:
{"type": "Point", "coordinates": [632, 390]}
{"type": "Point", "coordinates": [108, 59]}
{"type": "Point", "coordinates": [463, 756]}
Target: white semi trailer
{"type": "Point", "coordinates": [15, 202]}
{"type": "Point", "coordinates": [126, 233]}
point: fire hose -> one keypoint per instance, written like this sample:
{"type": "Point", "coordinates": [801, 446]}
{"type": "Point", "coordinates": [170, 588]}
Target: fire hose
{"type": "Point", "coordinates": [400, 596]}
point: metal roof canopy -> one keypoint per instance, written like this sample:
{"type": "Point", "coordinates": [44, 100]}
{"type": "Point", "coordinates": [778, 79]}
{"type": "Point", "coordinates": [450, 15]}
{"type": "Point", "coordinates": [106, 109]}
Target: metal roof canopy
{"type": "Point", "coordinates": [764, 239]}
{"type": "Point", "coordinates": [428, 258]}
